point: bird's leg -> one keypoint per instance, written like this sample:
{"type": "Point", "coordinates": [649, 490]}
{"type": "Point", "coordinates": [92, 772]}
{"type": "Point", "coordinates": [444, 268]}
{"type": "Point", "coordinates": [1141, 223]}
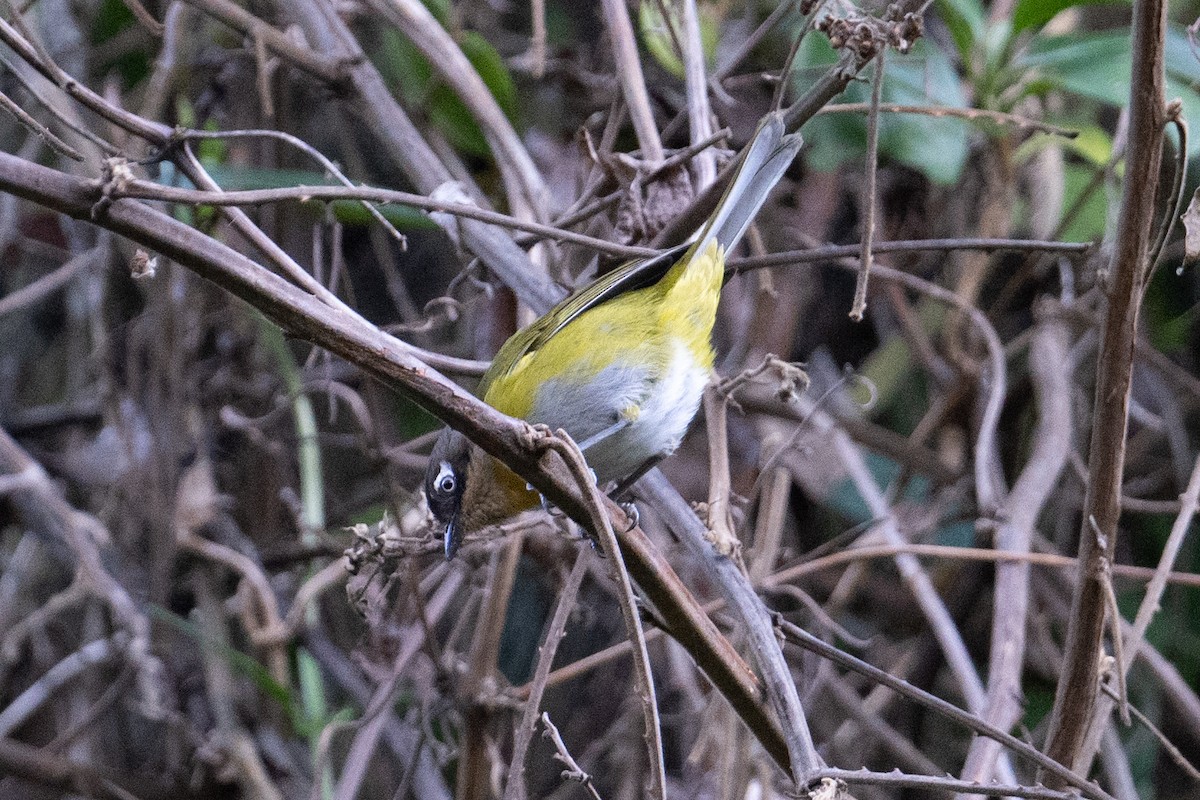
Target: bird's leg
{"type": "Point", "coordinates": [620, 495]}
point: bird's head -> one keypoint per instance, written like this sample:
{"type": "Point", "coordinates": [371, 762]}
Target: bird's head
{"type": "Point", "coordinates": [468, 490]}
{"type": "Point", "coordinates": [445, 484]}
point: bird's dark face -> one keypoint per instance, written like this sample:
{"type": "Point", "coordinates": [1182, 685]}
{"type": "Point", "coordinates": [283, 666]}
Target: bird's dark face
{"type": "Point", "coordinates": [445, 482]}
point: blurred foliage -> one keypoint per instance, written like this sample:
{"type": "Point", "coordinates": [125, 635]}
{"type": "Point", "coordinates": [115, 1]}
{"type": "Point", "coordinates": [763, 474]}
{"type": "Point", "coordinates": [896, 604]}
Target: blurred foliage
{"type": "Point", "coordinates": [113, 19]}
{"type": "Point", "coordinates": [406, 69]}
{"type": "Point", "coordinates": [662, 30]}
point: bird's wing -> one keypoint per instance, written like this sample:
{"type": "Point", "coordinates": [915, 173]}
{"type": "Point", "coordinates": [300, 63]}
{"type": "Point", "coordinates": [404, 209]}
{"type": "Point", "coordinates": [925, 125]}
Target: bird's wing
{"type": "Point", "coordinates": [628, 277]}
{"type": "Point", "coordinates": [761, 167]}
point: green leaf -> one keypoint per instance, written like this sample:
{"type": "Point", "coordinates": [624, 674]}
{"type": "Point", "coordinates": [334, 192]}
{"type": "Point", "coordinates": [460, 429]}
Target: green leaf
{"type": "Point", "coordinates": [1088, 225]}
{"type": "Point", "coordinates": [490, 66]}
{"type": "Point", "coordinates": [440, 10]}
{"type": "Point", "coordinates": [660, 33]}
{"type": "Point", "coordinates": [966, 21]}
{"type": "Point", "coordinates": [452, 115]}
{"type": "Point", "coordinates": [411, 76]}
{"type": "Point", "coordinates": [1090, 65]}
{"type": "Point", "coordinates": [845, 498]}
{"type": "Point", "coordinates": [239, 661]}
{"type": "Point", "coordinates": [1170, 319]}
{"type": "Point", "coordinates": [958, 534]}
{"type": "Point", "coordinates": [1036, 13]}
{"type": "Point", "coordinates": [1182, 61]}
{"type": "Point", "coordinates": [1097, 66]}
{"type": "Point", "coordinates": [935, 146]}
{"type": "Point", "coordinates": [403, 67]}
{"type": "Point", "coordinates": [1091, 143]}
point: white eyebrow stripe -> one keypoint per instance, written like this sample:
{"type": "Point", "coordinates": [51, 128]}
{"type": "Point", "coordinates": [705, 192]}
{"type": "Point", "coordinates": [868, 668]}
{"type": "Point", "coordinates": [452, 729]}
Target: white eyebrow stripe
{"type": "Point", "coordinates": [444, 470]}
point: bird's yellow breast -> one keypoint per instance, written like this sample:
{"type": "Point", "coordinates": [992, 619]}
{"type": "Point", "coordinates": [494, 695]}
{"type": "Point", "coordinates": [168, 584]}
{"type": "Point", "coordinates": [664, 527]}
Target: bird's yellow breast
{"type": "Point", "coordinates": [640, 328]}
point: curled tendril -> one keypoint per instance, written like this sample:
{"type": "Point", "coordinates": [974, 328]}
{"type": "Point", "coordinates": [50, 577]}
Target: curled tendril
{"type": "Point", "coordinates": [853, 380]}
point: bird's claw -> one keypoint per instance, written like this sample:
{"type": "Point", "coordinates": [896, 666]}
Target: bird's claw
{"type": "Point", "coordinates": [631, 511]}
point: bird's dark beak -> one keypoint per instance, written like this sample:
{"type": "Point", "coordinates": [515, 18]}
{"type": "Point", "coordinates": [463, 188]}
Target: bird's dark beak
{"type": "Point", "coordinates": [453, 536]}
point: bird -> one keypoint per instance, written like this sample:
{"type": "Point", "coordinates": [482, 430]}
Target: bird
{"type": "Point", "coordinates": [620, 365]}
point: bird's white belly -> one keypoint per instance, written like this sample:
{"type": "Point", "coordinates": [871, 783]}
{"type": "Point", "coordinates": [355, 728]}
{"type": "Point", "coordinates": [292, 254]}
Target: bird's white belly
{"type": "Point", "coordinates": [664, 410]}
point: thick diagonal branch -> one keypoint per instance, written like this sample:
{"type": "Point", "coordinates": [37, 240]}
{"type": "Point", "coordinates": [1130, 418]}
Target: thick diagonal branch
{"type": "Point", "coordinates": [391, 361]}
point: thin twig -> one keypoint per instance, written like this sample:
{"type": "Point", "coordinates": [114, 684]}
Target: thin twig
{"type": "Point", "coordinates": [276, 41]}
{"type": "Point", "coordinates": [105, 147]}
{"type": "Point", "coordinates": [43, 509]}
{"type": "Point", "coordinates": [986, 490]}
{"type": "Point", "coordinates": [781, 692]}
{"type": "Point", "coordinates": [304, 147]}
{"type": "Point", "coordinates": [1164, 741]}
{"type": "Point", "coordinates": [905, 753]}
{"type": "Point", "coordinates": [366, 740]}
{"type": "Point", "coordinates": [515, 788]}
{"type": "Point", "coordinates": [718, 515]}
{"type": "Point", "coordinates": [528, 195]}
{"type": "Point", "coordinates": [898, 780]}
{"type": "Point", "coordinates": [828, 252]}
{"type": "Point", "coordinates": [700, 123]}
{"type": "Point", "coordinates": [398, 140]}
{"type": "Point", "coordinates": [256, 580]}
{"type": "Point", "coordinates": [601, 525]}
{"type": "Point", "coordinates": [747, 46]}
{"type": "Point", "coordinates": [144, 17]}
{"type": "Point", "coordinates": [1051, 444]}
{"type": "Point", "coordinates": [855, 555]}
{"type": "Point", "coordinates": [38, 128]}
{"type": "Point", "coordinates": [972, 114]}
{"type": "Point", "coordinates": [829, 85]}
{"type": "Point", "coordinates": [54, 679]}
{"type": "Point", "coordinates": [977, 554]}
{"type": "Point", "coordinates": [474, 761]}
{"type": "Point", "coordinates": [782, 83]}
{"type": "Point", "coordinates": [869, 200]}
{"type": "Point", "coordinates": [1189, 502]}
{"type": "Point", "coordinates": [537, 40]}
{"type": "Point", "coordinates": [633, 83]}
{"type": "Point", "coordinates": [191, 166]}
{"type": "Point", "coordinates": [148, 190]}
{"type": "Point", "coordinates": [1176, 200]}
{"type": "Point", "coordinates": [1134, 640]}
{"type": "Point", "coordinates": [1075, 700]}
{"type": "Point", "coordinates": [42, 768]}
{"type": "Point", "coordinates": [806, 640]}
{"type": "Point", "coordinates": [573, 771]}
{"type": "Point", "coordinates": [911, 572]}
{"type": "Point", "coordinates": [47, 284]}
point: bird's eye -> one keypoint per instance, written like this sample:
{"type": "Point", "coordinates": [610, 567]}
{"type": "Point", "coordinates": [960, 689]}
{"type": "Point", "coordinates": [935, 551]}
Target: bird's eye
{"type": "Point", "coordinates": [446, 481]}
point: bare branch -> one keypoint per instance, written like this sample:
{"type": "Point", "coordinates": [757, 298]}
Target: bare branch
{"type": "Point", "coordinates": [633, 83]}
{"type": "Point", "coordinates": [1019, 514]}
{"type": "Point", "coordinates": [1075, 701]}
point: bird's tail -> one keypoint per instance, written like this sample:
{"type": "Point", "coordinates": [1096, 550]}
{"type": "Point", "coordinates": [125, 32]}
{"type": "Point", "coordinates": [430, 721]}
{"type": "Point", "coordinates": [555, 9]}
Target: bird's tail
{"type": "Point", "coordinates": [767, 157]}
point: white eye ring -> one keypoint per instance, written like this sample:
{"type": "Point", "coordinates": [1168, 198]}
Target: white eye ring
{"type": "Point", "coordinates": [445, 482]}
